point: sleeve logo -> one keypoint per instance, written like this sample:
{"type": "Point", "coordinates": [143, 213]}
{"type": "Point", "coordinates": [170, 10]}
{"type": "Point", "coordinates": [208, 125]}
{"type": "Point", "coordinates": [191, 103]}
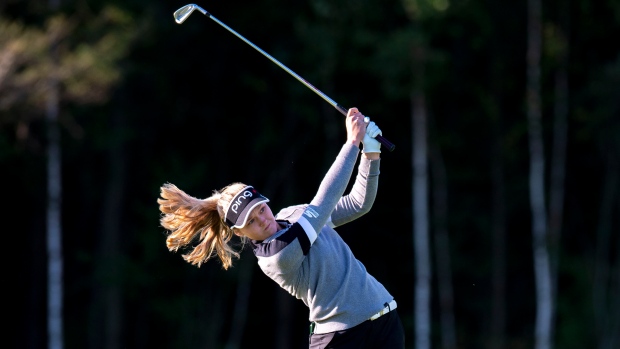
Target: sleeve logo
{"type": "Point", "coordinates": [310, 212]}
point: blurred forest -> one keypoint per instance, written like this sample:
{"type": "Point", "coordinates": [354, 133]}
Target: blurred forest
{"type": "Point", "coordinates": [508, 112]}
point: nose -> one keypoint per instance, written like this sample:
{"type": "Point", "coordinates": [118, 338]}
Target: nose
{"type": "Point", "coordinates": [262, 220]}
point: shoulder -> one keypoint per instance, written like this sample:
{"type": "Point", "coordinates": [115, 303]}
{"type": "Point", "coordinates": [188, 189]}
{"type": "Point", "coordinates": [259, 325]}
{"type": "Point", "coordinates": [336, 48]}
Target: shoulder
{"type": "Point", "coordinates": [291, 213]}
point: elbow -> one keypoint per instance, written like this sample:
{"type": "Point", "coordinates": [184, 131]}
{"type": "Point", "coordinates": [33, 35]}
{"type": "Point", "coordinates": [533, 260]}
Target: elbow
{"type": "Point", "coordinates": [364, 208]}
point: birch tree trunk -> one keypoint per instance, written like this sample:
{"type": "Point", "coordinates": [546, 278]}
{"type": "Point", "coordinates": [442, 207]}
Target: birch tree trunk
{"type": "Point", "coordinates": [544, 300]}
{"type": "Point", "coordinates": [54, 232]}
{"type": "Point", "coordinates": [54, 200]}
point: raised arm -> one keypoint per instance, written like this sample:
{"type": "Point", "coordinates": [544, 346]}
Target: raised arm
{"type": "Point", "coordinates": [335, 182]}
{"type": "Point", "coordinates": [360, 199]}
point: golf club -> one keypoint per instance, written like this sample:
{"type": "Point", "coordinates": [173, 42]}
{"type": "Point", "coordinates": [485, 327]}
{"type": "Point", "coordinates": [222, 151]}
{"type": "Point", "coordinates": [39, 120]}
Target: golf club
{"type": "Point", "coordinates": [184, 12]}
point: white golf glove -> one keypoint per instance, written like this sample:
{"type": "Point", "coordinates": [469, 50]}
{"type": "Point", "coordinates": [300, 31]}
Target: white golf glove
{"type": "Point", "coordinates": [370, 144]}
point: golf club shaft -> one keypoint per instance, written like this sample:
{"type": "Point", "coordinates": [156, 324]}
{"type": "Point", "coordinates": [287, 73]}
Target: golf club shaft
{"type": "Point", "coordinates": [188, 9]}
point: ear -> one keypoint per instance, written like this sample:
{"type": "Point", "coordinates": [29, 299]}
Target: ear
{"type": "Point", "coordinates": [237, 232]}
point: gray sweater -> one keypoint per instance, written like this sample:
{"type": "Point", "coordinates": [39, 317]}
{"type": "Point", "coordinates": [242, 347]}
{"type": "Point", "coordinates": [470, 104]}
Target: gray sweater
{"type": "Point", "coordinates": [311, 261]}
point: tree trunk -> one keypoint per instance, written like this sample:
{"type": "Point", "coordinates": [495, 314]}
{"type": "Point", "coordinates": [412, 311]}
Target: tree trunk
{"type": "Point", "coordinates": [110, 248]}
{"type": "Point", "coordinates": [420, 209]}
{"type": "Point", "coordinates": [54, 200]}
{"type": "Point", "coordinates": [497, 335]}
{"type": "Point", "coordinates": [442, 249]}
{"type": "Point", "coordinates": [54, 231]}
{"type": "Point", "coordinates": [544, 300]}
{"type": "Point", "coordinates": [498, 230]}
{"type": "Point", "coordinates": [606, 285]}
{"type": "Point", "coordinates": [106, 306]}
{"type": "Point", "coordinates": [558, 157]}
{"type": "Point", "coordinates": [242, 300]}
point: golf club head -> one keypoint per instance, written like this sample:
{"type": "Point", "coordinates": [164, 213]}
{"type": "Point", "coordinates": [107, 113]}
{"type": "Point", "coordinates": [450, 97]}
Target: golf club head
{"type": "Point", "coordinates": [181, 14]}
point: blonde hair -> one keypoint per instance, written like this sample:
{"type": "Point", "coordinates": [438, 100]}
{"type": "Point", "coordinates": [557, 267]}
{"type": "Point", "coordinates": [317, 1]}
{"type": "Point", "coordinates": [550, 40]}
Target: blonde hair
{"type": "Point", "coordinates": [187, 218]}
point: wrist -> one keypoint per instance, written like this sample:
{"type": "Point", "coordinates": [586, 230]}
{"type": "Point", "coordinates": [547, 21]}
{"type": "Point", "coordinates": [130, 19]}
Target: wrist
{"type": "Point", "coordinates": [372, 156]}
{"type": "Point", "coordinates": [354, 142]}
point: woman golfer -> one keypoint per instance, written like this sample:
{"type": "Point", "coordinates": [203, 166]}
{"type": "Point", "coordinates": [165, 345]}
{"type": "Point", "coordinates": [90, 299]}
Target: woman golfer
{"type": "Point", "coordinates": [298, 248]}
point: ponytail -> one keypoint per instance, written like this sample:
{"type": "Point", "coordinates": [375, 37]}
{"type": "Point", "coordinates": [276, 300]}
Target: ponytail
{"type": "Point", "coordinates": [187, 218]}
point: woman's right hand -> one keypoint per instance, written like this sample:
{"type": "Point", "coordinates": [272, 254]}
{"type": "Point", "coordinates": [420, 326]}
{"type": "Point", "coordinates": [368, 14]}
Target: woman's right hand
{"type": "Point", "coordinates": [356, 127]}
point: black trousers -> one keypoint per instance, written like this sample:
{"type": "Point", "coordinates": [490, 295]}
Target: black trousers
{"type": "Point", "coordinates": [385, 332]}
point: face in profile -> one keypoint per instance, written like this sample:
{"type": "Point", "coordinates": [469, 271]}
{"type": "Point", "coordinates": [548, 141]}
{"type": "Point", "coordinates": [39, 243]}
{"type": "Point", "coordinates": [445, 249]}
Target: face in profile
{"type": "Point", "coordinates": [260, 224]}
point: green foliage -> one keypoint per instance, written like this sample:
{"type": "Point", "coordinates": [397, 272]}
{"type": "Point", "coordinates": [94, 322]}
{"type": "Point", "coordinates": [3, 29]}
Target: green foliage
{"type": "Point", "coordinates": [80, 56]}
{"type": "Point", "coordinates": [21, 52]}
{"type": "Point", "coordinates": [425, 9]}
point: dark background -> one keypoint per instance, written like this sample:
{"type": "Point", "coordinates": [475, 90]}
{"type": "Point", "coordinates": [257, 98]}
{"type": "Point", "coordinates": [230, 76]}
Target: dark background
{"type": "Point", "coordinates": [195, 106]}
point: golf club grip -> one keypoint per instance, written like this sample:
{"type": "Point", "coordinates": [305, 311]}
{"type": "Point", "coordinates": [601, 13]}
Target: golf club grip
{"type": "Point", "coordinates": [389, 145]}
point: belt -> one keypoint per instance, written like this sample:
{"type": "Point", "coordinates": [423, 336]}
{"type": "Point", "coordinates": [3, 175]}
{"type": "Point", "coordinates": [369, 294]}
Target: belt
{"type": "Point", "coordinates": [388, 307]}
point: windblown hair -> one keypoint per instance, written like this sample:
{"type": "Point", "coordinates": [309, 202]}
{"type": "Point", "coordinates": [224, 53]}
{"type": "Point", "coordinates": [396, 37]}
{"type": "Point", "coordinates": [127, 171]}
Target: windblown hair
{"type": "Point", "coordinates": [187, 219]}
